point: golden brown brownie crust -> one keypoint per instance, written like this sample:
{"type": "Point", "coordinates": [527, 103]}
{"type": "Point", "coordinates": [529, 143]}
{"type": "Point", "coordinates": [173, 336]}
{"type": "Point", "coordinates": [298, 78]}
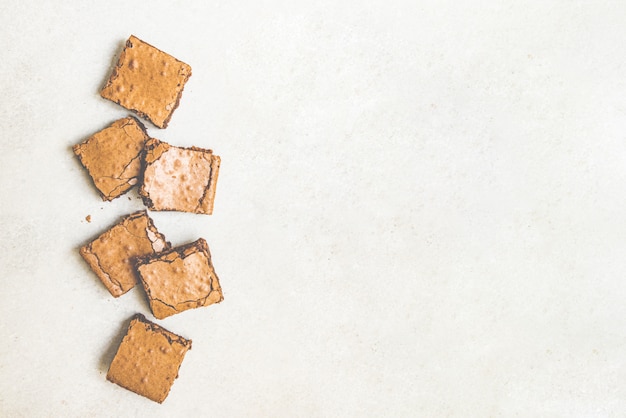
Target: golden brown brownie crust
{"type": "Point", "coordinates": [181, 179]}
{"type": "Point", "coordinates": [112, 156]}
{"type": "Point", "coordinates": [180, 279]}
{"type": "Point", "coordinates": [112, 255]}
{"type": "Point", "coordinates": [148, 359]}
{"type": "Point", "coordinates": [147, 81]}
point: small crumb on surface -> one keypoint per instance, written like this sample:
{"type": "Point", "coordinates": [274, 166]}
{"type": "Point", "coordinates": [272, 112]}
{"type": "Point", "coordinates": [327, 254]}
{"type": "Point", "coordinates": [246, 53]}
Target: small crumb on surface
{"type": "Point", "coordinates": [88, 218]}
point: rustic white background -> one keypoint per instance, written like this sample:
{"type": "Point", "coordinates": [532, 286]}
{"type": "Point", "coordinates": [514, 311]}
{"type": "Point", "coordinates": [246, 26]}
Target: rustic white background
{"type": "Point", "coordinates": [421, 208]}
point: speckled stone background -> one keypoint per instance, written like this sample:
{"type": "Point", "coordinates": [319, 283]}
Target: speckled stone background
{"type": "Point", "coordinates": [421, 208]}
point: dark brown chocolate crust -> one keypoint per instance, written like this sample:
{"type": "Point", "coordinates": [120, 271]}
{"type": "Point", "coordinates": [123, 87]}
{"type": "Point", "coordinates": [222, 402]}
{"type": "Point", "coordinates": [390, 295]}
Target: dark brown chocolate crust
{"type": "Point", "coordinates": [200, 245]}
{"type": "Point", "coordinates": [148, 359]}
{"type": "Point", "coordinates": [195, 283]}
{"type": "Point", "coordinates": [169, 335]}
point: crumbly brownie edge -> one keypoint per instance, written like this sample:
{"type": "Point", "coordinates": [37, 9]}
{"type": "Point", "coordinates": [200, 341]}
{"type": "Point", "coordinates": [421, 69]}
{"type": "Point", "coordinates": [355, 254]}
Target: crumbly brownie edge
{"type": "Point", "coordinates": [148, 158]}
{"type": "Point", "coordinates": [141, 126]}
{"type": "Point", "coordinates": [169, 335]}
{"type": "Point", "coordinates": [166, 121]}
{"type": "Point", "coordinates": [183, 251]}
{"type": "Point", "coordinates": [152, 228]}
{"type": "Point", "coordinates": [114, 287]}
{"type": "Point", "coordinates": [208, 198]}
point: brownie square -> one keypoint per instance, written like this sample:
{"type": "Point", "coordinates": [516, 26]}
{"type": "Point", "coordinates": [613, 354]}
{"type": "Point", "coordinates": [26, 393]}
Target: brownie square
{"type": "Point", "coordinates": [148, 359]}
{"type": "Point", "coordinates": [147, 81]}
{"type": "Point", "coordinates": [112, 255]}
{"type": "Point", "coordinates": [179, 279]}
{"type": "Point", "coordinates": [180, 179]}
{"type": "Point", "coordinates": [112, 156]}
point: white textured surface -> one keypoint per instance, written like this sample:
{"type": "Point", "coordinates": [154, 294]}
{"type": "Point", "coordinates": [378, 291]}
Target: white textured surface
{"type": "Point", "coordinates": [421, 208]}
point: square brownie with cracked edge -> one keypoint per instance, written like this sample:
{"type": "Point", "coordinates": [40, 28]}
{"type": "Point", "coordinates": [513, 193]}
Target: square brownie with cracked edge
{"type": "Point", "coordinates": [112, 156]}
{"type": "Point", "coordinates": [147, 81]}
{"type": "Point", "coordinates": [112, 255]}
{"type": "Point", "coordinates": [148, 359]}
{"type": "Point", "coordinates": [179, 279]}
{"type": "Point", "coordinates": [179, 179]}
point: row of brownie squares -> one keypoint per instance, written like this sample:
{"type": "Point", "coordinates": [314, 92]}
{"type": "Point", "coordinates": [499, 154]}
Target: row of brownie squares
{"type": "Point", "coordinates": [172, 178]}
{"type": "Point", "coordinates": [174, 279]}
{"type": "Point", "coordinates": [150, 83]}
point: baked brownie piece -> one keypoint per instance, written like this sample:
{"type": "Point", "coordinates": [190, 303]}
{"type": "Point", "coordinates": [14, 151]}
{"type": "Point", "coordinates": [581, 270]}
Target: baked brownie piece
{"type": "Point", "coordinates": [179, 279]}
{"type": "Point", "coordinates": [112, 255]}
{"type": "Point", "coordinates": [182, 179]}
{"type": "Point", "coordinates": [112, 156]}
{"type": "Point", "coordinates": [148, 359]}
{"type": "Point", "coordinates": [147, 81]}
